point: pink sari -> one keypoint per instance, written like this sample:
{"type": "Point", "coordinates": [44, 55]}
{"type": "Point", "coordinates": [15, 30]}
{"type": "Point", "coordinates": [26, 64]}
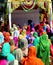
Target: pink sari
{"type": "Point", "coordinates": [28, 30]}
{"type": "Point", "coordinates": [16, 41]}
{"type": "Point", "coordinates": [3, 62]}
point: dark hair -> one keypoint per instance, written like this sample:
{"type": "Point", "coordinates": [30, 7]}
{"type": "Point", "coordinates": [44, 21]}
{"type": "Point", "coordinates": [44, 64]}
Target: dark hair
{"type": "Point", "coordinates": [29, 41]}
{"type": "Point", "coordinates": [3, 57]}
{"type": "Point", "coordinates": [29, 22]}
{"type": "Point", "coordinates": [0, 23]}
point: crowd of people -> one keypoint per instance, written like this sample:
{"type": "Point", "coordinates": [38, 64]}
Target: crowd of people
{"type": "Point", "coordinates": [30, 45]}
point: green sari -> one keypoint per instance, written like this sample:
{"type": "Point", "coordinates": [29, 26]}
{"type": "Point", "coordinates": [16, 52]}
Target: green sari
{"type": "Point", "coordinates": [44, 49]}
{"type": "Point", "coordinates": [36, 41]}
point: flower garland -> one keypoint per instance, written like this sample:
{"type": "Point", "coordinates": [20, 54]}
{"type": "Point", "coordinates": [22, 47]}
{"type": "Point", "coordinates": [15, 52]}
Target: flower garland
{"type": "Point", "coordinates": [28, 5]}
{"type": "Point", "coordinates": [14, 5]}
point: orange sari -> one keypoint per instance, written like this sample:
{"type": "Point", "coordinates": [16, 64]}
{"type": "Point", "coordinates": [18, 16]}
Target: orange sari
{"type": "Point", "coordinates": [31, 59]}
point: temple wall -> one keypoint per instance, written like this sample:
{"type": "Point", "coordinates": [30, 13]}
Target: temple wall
{"type": "Point", "coordinates": [21, 17]}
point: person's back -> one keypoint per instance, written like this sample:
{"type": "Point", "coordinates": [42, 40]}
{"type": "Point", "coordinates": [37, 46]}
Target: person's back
{"type": "Point", "coordinates": [31, 59]}
{"type": "Point", "coordinates": [44, 49]}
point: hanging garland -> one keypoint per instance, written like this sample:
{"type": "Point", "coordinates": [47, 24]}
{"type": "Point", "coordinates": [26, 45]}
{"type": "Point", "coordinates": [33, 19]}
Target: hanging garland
{"type": "Point", "coordinates": [14, 5]}
{"type": "Point", "coordinates": [28, 5]}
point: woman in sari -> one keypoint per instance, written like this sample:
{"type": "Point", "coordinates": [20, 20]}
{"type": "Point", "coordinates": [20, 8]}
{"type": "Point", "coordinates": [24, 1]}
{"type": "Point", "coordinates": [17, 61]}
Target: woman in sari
{"type": "Point", "coordinates": [31, 59]}
{"type": "Point", "coordinates": [44, 49]}
{"type": "Point", "coordinates": [6, 48]}
{"type": "Point", "coordinates": [22, 49]}
{"type": "Point", "coordinates": [23, 45]}
{"type": "Point", "coordinates": [36, 41]}
{"type": "Point", "coordinates": [51, 50]}
{"type": "Point", "coordinates": [3, 60]}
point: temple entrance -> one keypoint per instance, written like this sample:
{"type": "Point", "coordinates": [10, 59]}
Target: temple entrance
{"type": "Point", "coordinates": [21, 17]}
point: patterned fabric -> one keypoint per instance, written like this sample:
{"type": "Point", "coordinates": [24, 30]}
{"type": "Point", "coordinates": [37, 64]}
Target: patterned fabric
{"type": "Point", "coordinates": [14, 4]}
{"type": "Point", "coordinates": [28, 5]}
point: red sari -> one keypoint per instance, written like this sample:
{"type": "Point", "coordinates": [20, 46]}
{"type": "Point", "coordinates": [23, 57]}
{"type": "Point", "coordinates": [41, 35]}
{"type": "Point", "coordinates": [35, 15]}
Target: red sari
{"type": "Point", "coordinates": [51, 49]}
